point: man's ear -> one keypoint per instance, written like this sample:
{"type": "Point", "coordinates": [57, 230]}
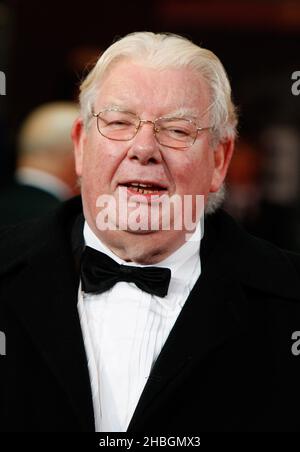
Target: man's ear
{"type": "Point", "coordinates": [78, 135]}
{"type": "Point", "coordinates": [222, 157]}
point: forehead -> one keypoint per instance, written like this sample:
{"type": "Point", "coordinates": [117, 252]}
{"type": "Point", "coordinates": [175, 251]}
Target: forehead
{"type": "Point", "coordinates": [133, 86]}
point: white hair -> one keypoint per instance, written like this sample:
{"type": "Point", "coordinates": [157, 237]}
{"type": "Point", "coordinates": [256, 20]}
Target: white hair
{"type": "Point", "coordinates": [164, 51]}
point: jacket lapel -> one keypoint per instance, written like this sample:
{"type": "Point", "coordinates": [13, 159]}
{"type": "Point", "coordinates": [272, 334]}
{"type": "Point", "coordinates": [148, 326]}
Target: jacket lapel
{"type": "Point", "coordinates": [214, 312]}
{"type": "Point", "coordinates": [47, 308]}
{"type": "Point", "coordinates": [232, 261]}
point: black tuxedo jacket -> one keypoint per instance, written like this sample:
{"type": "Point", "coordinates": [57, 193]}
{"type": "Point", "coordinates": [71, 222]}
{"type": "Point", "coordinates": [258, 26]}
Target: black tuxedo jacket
{"type": "Point", "coordinates": [227, 364]}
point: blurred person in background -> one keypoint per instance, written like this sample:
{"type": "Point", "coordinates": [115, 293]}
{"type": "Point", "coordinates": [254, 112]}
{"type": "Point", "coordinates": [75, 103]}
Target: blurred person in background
{"type": "Point", "coordinates": [45, 173]}
{"type": "Point", "coordinates": [263, 185]}
{"type": "Point", "coordinates": [278, 220]}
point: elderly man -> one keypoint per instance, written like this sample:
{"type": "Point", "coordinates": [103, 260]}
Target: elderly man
{"type": "Point", "coordinates": [116, 323]}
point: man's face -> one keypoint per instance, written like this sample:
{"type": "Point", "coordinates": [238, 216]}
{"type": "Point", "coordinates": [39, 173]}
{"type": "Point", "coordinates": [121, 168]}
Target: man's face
{"type": "Point", "coordinates": [106, 165]}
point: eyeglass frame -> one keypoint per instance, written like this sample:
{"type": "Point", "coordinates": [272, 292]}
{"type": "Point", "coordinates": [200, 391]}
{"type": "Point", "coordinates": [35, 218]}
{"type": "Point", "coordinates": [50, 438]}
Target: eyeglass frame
{"type": "Point", "coordinates": [155, 130]}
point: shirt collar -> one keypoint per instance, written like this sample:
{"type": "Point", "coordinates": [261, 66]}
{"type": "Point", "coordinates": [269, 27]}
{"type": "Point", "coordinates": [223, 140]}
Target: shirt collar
{"type": "Point", "coordinates": [184, 263]}
{"type": "Point", "coordinates": [44, 181]}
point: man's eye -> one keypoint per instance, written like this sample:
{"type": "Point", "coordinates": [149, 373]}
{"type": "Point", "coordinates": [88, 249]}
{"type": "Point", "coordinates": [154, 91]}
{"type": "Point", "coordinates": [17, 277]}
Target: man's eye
{"type": "Point", "coordinates": [119, 124]}
{"type": "Point", "coordinates": [178, 132]}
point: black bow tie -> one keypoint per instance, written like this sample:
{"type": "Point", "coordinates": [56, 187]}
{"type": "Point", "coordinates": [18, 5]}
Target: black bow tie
{"type": "Point", "coordinates": [99, 273]}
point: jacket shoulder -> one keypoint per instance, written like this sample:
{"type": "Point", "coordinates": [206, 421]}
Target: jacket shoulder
{"type": "Point", "coordinates": [19, 242]}
{"type": "Point", "coordinates": [294, 258]}
{"type": "Point", "coordinates": [254, 261]}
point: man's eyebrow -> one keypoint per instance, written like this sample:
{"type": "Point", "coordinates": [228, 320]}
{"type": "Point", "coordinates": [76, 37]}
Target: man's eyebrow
{"type": "Point", "coordinates": [182, 113]}
{"type": "Point", "coordinates": [113, 106]}
{"type": "Point", "coordinates": [179, 113]}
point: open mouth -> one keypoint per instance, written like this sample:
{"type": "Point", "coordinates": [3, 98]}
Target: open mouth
{"type": "Point", "coordinates": [145, 188]}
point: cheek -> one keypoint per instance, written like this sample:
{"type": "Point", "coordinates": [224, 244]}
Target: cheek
{"type": "Point", "coordinates": [193, 174]}
{"type": "Point", "coordinates": [100, 162]}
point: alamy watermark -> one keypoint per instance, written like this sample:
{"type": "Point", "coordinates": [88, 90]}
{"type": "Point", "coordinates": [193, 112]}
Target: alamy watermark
{"type": "Point", "coordinates": [153, 212]}
{"type": "Point", "coordinates": [2, 344]}
{"type": "Point", "coordinates": [2, 84]}
{"type": "Point", "coordinates": [296, 345]}
{"type": "Point", "coordinates": [296, 85]}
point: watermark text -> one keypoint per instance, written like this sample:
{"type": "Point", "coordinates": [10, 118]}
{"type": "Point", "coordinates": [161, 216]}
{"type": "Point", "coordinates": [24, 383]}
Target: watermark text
{"type": "Point", "coordinates": [150, 213]}
{"type": "Point", "coordinates": [296, 345]}
{"type": "Point", "coordinates": [296, 85]}
{"type": "Point", "coordinates": [2, 344]}
{"type": "Point", "coordinates": [2, 84]}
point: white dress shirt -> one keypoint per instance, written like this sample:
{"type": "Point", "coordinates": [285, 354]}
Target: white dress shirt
{"type": "Point", "coordinates": [125, 328]}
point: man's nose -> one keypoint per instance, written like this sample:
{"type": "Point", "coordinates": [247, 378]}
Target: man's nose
{"type": "Point", "coordinates": [145, 148]}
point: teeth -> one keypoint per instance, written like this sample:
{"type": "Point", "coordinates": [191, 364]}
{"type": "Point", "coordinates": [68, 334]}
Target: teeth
{"type": "Point", "coordinates": [148, 191]}
{"type": "Point", "coordinates": [143, 191]}
{"type": "Point", "coordinates": [134, 184]}
{"type": "Point", "coordinates": [144, 188]}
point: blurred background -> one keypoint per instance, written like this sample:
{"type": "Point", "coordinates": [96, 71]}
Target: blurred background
{"type": "Point", "coordinates": [46, 48]}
